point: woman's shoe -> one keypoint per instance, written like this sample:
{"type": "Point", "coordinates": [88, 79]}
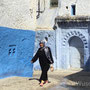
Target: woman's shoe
{"type": "Point", "coordinates": [46, 82]}
{"type": "Point", "coordinates": [42, 83]}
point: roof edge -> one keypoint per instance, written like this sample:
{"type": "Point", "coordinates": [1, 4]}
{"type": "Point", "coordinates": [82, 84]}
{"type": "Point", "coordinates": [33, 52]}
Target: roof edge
{"type": "Point", "coordinates": [72, 18]}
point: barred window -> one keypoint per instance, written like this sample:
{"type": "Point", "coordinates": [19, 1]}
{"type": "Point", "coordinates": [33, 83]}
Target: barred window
{"type": "Point", "coordinates": [53, 3]}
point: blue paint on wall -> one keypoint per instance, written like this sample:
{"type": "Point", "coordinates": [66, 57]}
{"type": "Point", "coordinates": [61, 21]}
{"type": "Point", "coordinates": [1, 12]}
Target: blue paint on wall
{"type": "Point", "coordinates": [87, 65]}
{"type": "Point", "coordinates": [40, 35]}
{"type": "Point", "coordinates": [16, 51]}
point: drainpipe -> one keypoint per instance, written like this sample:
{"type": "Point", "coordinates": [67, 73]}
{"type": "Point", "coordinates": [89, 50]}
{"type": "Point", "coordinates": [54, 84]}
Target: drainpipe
{"type": "Point", "coordinates": [39, 11]}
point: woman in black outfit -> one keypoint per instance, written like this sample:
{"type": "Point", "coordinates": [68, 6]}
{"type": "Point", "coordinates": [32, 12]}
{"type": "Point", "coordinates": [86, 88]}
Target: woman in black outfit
{"type": "Point", "coordinates": [45, 59]}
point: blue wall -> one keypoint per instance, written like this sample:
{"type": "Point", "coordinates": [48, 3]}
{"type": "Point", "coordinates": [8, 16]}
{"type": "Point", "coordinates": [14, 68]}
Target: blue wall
{"type": "Point", "coordinates": [16, 51]}
{"type": "Point", "coordinates": [40, 35]}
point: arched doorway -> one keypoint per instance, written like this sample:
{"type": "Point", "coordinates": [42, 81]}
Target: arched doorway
{"type": "Point", "coordinates": [76, 52]}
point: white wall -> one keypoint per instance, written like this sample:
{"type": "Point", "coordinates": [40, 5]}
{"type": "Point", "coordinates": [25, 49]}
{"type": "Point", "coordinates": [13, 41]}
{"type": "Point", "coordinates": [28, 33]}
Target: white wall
{"type": "Point", "coordinates": [82, 7]}
{"type": "Point", "coordinates": [22, 14]}
{"type": "Point", "coordinates": [46, 20]}
{"type": "Point", "coordinates": [17, 14]}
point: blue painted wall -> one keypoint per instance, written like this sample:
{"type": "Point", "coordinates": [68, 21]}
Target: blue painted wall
{"type": "Point", "coordinates": [40, 35]}
{"type": "Point", "coordinates": [16, 51]}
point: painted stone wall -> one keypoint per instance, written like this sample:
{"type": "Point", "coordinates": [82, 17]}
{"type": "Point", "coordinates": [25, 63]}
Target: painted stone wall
{"type": "Point", "coordinates": [16, 51]}
{"type": "Point", "coordinates": [87, 67]}
{"type": "Point", "coordinates": [18, 14]}
{"type": "Point", "coordinates": [77, 32]}
{"type": "Point", "coordinates": [82, 7]}
{"type": "Point", "coordinates": [68, 37]}
{"type": "Point", "coordinates": [47, 17]}
{"type": "Point", "coordinates": [40, 35]}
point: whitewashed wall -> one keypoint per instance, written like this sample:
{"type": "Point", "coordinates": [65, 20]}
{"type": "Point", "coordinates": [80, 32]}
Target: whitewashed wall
{"type": "Point", "coordinates": [19, 14]}
{"type": "Point", "coordinates": [46, 19]}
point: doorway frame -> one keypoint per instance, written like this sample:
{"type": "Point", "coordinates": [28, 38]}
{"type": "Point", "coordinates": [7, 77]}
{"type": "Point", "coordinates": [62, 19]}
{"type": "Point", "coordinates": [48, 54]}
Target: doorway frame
{"type": "Point", "coordinates": [62, 46]}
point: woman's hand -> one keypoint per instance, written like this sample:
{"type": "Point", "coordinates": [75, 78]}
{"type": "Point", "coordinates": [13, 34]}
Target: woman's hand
{"type": "Point", "coordinates": [31, 61]}
{"type": "Point", "coordinates": [51, 68]}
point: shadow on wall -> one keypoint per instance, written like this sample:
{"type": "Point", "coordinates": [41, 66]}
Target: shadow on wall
{"type": "Point", "coordinates": [16, 51]}
{"type": "Point", "coordinates": [87, 66]}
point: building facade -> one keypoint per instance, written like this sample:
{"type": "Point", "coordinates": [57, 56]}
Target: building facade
{"type": "Point", "coordinates": [17, 37]}
{"type": "Point", "coordinates": [73, 42]}
{"type": "Point", "coordinates": [24, 23]}
{"type": "Point", "coordinates": [66, 25]}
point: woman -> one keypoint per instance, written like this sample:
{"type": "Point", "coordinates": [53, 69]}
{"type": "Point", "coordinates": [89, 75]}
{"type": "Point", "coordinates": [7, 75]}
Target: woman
{"type": "Point", "coordinates": [45, 59]}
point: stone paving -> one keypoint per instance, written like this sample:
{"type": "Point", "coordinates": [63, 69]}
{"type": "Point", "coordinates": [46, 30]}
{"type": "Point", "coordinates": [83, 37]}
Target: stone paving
{"type": "Point", "coordinates": [59, 80]}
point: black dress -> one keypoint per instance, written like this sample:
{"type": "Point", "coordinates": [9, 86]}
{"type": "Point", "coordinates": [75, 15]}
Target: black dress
{"type": "Point", "coordinates": [45, 59]}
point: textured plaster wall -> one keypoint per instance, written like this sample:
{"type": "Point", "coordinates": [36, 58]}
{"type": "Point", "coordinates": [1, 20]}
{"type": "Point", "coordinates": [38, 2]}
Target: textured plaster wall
{"type": "Point", "coordinates": [40, 35]}
{"type": "Point", "coordinates": [18, 14]}
{"type": "Point", "coordinates": [82, 7]}
{"type": "Point", "coordinates": [16, 51]}
{"type": "Point", "coordinates": [64, 34]}
{"type": "Point", "coordinates": [22, 14]}
{"type": "Point", "coordinates": [59, 43]}
{"type": "Point", "coordinates": [46, 19]}
{"type": "Point", "coordinates": [66, 53]}
{"type": "Point", "coordinates": [87, 67]}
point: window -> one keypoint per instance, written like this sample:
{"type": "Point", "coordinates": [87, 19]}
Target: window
{"type": "Point", "coordinates": [73, 9]}
{"type": "Point", "coordinates": [12, 50]}
{"type": "Point", "coordinates": [53, 3]}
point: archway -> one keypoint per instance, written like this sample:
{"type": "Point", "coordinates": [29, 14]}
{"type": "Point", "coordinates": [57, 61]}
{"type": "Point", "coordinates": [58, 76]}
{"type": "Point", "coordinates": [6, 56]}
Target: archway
{"type": "Point", "coordinates": [76, 52]}
{"type": "Point", "coordinates": [75, 37]}
{"type": "Point", "coordinates": [74, 33]}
